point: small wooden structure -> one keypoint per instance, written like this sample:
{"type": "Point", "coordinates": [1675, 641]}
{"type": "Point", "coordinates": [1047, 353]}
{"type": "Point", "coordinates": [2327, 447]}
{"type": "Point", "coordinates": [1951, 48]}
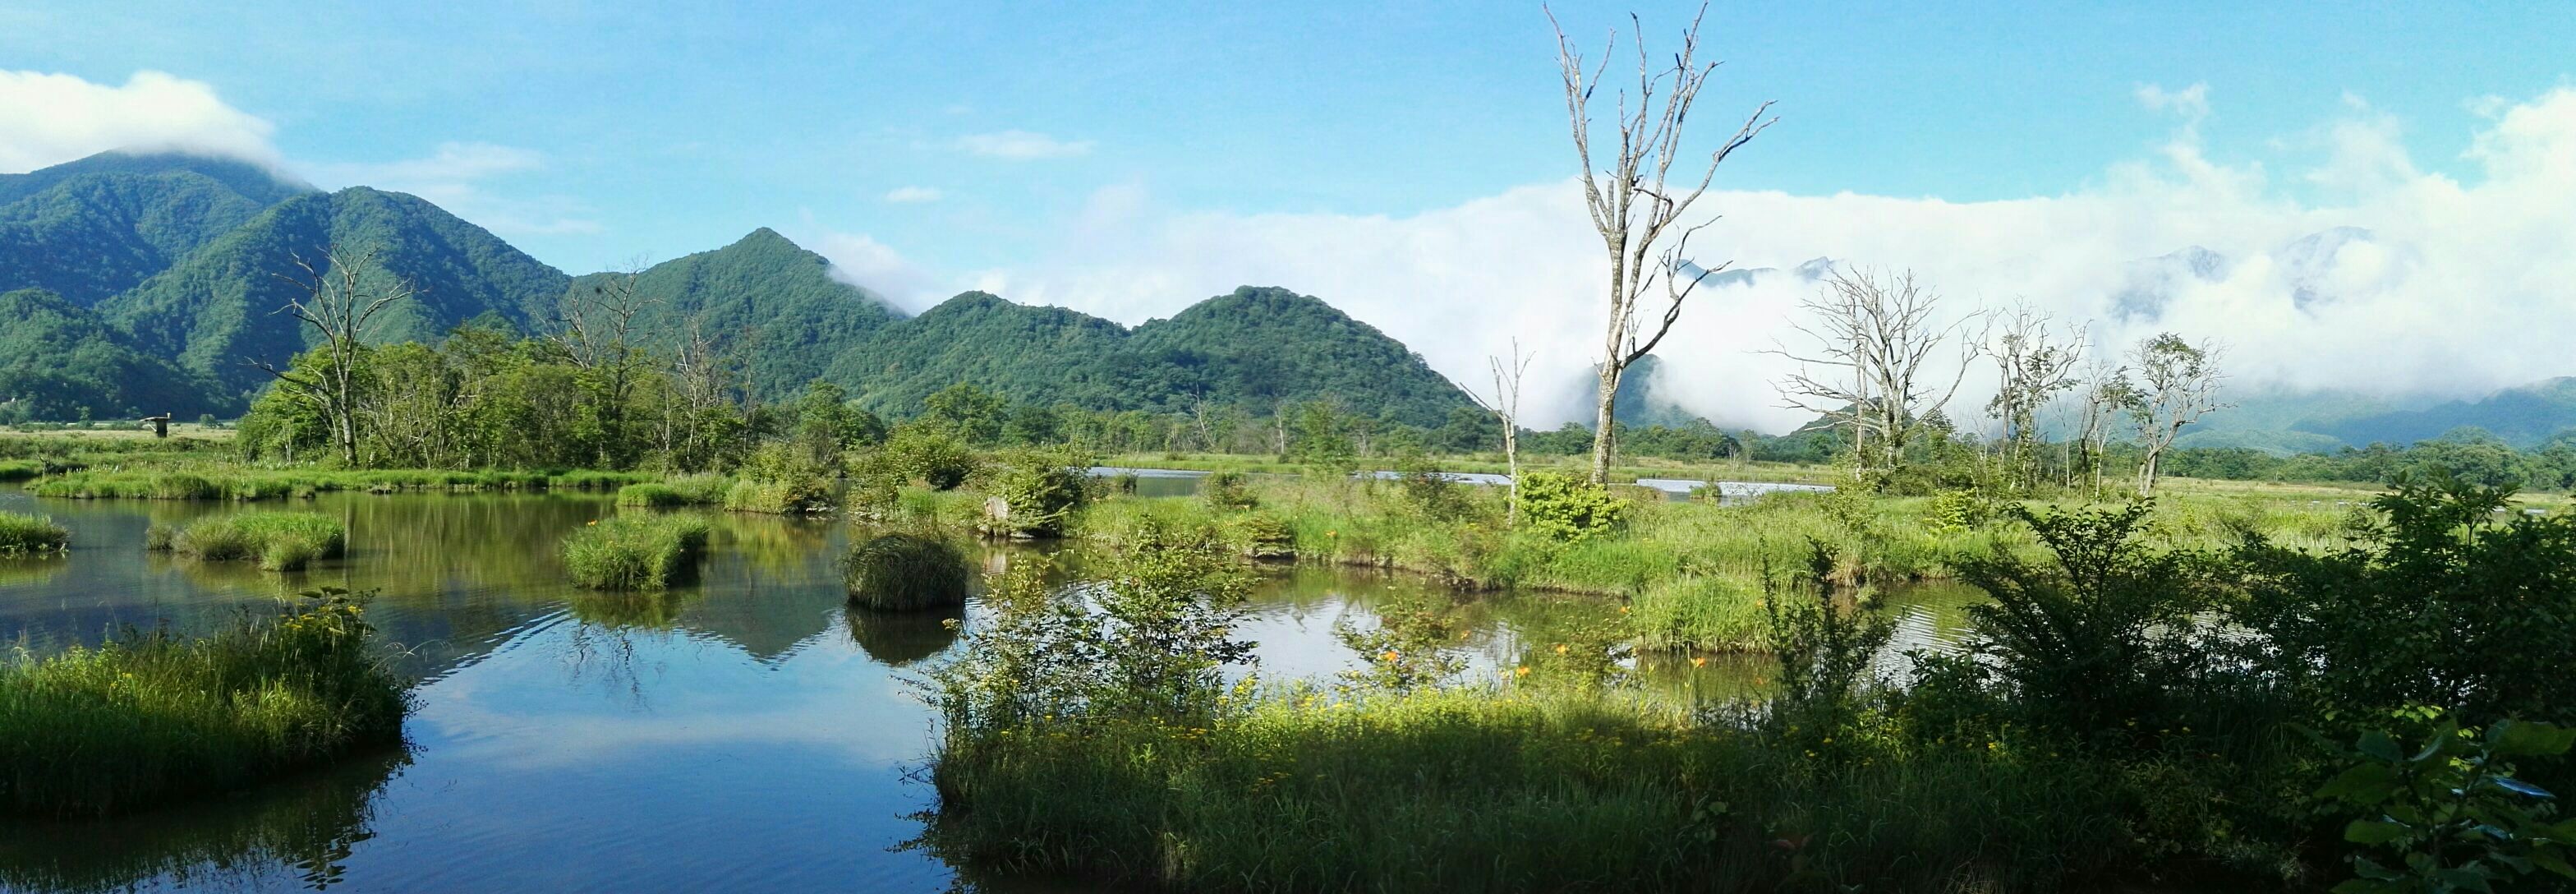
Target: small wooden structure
{"type": "Point", "coordinates": [160, 425]}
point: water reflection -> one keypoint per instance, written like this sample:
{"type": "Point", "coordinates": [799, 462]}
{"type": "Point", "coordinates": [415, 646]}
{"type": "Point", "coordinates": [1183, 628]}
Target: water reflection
{"type": "Point", "coordinates": [745, 731]}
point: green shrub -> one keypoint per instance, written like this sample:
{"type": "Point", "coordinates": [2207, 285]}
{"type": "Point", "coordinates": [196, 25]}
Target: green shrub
{"type": "Point", "coordinates": [905, 572]}
{"type": "Point", "coordinates": [279, 541]}
{"type": "Point", "coordinates": [1567, 508]}
{"type": "Point", "coordinates": [932, 454]}
{"type": "Point", "coordinates": [1037, 490]}
{"type": "Point", "coordinates": [1227, 491]}
{"type": "Point", "coordinates": [152, 717]}
{"type": "Point", "coordinates": [21, 469]}
{"type": "Point", "coordinates": [22, 534]}
{"type": "Point", "coordinates": [1261, 536]}
{"type": "Point", "coordinates": [635, 552]}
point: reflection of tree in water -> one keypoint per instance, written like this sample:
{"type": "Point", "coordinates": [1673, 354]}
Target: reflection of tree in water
{"type": "Point", "coordinates": [896, 639]}
{"type": "Point", "coordinates": [644, 610]}
{"type": "Point", "coordinates": [294, 833]}
{"type": "Point", "coordinates": [606, 653]}
{"type": "Point", "coordinates": [27, 570]}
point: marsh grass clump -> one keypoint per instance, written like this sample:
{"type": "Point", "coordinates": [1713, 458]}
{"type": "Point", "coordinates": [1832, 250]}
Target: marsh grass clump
{"type": "Point", "coordinates": [152, 716]}
{"type": "Point", "coordinates": [278, 541]}
{"type": "Point", "coordinates": [905, 572]}
{"type": "Point", "coordinates": [25, 534]}
{"type": "Point", "coordinates": [693, 491]}
{"type": "Point", "coordinates": [635, 552]}
{"type": "Point", "coordinates": [20, 469]}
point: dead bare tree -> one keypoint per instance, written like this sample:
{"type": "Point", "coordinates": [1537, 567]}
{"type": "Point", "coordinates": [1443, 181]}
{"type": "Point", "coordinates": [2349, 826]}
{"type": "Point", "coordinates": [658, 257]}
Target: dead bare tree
{"type": "Point", "coordinates": [1871, 366]}
{"type": "Point", "coordinates": [339, 303]}
{"type": "Point", "coordinates": [594, 329]}
{"type": "Point", "coordinates": [1631, 204]}
{"type": "Point", "coordinates": [2178, 383]}
{"type": "Point", "coordinates": [2107, 393]}
{"type": "Point", "coordinates": [2035, 360]}
{"type": "Point", "coordinates": [1506, 407]}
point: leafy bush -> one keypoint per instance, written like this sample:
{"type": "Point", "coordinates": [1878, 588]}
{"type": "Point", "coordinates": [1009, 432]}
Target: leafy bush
{"type": "Point", "coordinates": [905, 572]}
{"type": "Point", "coordinates": [280, 541]}
{"type": "Point", "coordinates": [153, 717]}
{"type": "Point", "coordinates": [1427, 492]}
{"type": "Point", "coordinates": [780, 480]}
{"type": "Point", "coordinates": [635, 552]}
{"type": "Point", "coordinates": [1567, 508]}
{"type": "Point", "coordinates": [1408, 649]}
{"type": "Point", "coordinates": [22, 534]}
{"type": "Point", "coordinates": [2451, 811]}
{"type": "Point", "coordinates": [1260, 535]}
{"type": "Point", "coordinates": [932, 454]}
{"type": "Point", "coordinates": [1227, 491]}
{"type": "Point", "coordinates": [1037, 490]}
{"type": "Point", "coordinates": [694, 491]}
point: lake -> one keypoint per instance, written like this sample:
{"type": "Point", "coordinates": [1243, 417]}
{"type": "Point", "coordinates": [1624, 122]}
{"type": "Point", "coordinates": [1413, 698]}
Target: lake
{"type": "Point", "coordinates": [744, 732]}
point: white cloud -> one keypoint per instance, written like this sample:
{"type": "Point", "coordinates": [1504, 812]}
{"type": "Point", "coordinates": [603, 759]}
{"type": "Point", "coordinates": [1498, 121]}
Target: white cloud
{"type": "Point", "coordinates": [862, 261]}
{"type": "Point", "coordinates": [905, 195]}
{"type": "Point", "coordinates": [48, 119]}
{"type": "Point", "coordinates": [1021, 145]}
{"type": "Point", "coordinates": [454, 175]}
{"type": "Point", "coordinates": [2443, 288]}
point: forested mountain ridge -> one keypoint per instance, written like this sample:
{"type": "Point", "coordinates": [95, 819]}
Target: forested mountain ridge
{"type": "Point", "coordinates": [216, 312]}
{"type": "Point", "coordinates": [59, 360]}
{"type": "Point", "coordinates": [765, 297]}
{"type": "Point", "coordinates": [174, 267]}
{"type": "Point", "coordinates": [99, 226]}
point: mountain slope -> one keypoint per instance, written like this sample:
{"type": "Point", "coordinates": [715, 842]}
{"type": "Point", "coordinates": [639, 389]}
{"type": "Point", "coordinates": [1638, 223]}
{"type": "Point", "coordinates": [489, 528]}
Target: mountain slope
{"type": "Point", "coordinates": [99, 226]}
{"type": "Point", "coordinates": [215, 311]}
{"type": "Point", "coordinates": [1261, 346]}
{"type": "Point", "coordinates": [58, 359]}
{"type": "Point", "coordinates": [1038, 354]}
{"type": "Point", "coordinates": [2523, 416]}
{"type": "Point", "coordinates": [765, 293]}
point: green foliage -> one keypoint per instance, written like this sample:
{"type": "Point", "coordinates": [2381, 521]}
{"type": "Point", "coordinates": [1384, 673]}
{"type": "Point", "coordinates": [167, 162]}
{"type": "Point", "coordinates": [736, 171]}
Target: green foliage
{"type": "Point", "coordinates": [25, 534]}
{"type": "Point", "coordinates": [279, 541]}
{"type": "Point", "coordinates": [932, 454]}
{"type": "Point", "coordinates": [1227, 491]}
{"type": "Point", "coordinates": [58, 360]}
{"type": "Point", "coordinates": [1825, 652]}
{"type": "Point", "coordinates": [1039, 490]}
{"type": "Point", "coordinates": [2451, 812]}
{"type": "Point", "coordinates": [92, 228]}
{"type": "Point", "coordinates": [1565, 508]}
{"type": "Point", "coordinates": [704, 490]}
{"type": "Point", "coordinates": [152, 717]}
{"type": "Point", "coordinates": [1427, 491]}
{"type": "Point", "coordinates": [635, 552]}
{"type": "Point", "coordinates": [905, 572]}
{"type": "Point", "coordinates": [779, 480]}
{"type": "Point", "coordinates": [766, 301]}
{"type": "Point", "coordinates": [972, 413]}
{"type": "Point", "coordinates": [2452, 601]}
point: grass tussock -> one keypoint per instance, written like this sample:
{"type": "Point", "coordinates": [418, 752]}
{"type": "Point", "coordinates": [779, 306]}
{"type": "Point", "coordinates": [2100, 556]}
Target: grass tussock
{"type": "Point", "coordinates": [152, 717]}
{"type": "Point", "coordinates": [24, 534]}
{"type": "Point", "coordinates": [278, 541]}
{"type": "Point", "coordinates": [635, 552]}
{"type": "Point", "coordinates": [20, 469]}
{"type": "Point", "coordinates": [691, 491]}
{"type": "Point", "coordinates": [905, 572]}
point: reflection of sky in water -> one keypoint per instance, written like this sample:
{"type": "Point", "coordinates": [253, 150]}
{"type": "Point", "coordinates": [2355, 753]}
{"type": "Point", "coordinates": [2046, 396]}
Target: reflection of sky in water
{"type": "Point", "coordinates": [746, 732]}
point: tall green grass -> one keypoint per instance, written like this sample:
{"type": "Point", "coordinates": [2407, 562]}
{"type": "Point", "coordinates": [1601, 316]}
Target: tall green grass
{"type": "Point", "coordinates": [635, 552]}
{"type": "Point", "coordinates": [703, 490]}
{"type": "Point", "coordinates": [237, 483]}
{"type": "Point", "coordinates": [152, 717]}
{"type": "Point", "coordinates": [24, 534]}
{"type": "Point", "coordinates": [1513, 791]}
{"type": "Point", "coordinates": [20, 469]}
{"type": "Point", "coordinates": [279, 541]}
{"type": "Point", "coordinates": [905, 572]}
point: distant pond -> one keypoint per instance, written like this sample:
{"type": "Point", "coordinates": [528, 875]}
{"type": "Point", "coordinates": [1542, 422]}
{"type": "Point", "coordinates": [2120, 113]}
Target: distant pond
{"type": "Point", "coordinates": [746, 732]}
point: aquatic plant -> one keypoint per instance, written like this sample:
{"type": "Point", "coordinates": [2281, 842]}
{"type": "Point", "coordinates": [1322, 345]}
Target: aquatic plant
{"type": "Point", "coordinates": [704, 490]}
{"type": "Point", "coordinates": [905, 572]}
{"type": "Point", "coordinates": [635, 552]}
{"type": "Point", "coordinates": [278, 541]}
{"type": "Point", "coordinates": [153, 716]}
{"type": "Point", "coordinates": [24, 534]}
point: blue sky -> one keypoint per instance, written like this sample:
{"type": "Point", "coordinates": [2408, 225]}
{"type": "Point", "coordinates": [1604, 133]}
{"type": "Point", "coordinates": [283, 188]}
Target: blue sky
{"type": "Point", "coordinates": [676, 128]}
{"type": "Point", "coordinates": [1408, 162]}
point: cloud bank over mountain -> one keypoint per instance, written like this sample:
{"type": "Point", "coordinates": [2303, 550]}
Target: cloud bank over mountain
{"type": "Point", "coordinates": [2362, 272]}
{"type": "Point", "coordinates": [47, 119]}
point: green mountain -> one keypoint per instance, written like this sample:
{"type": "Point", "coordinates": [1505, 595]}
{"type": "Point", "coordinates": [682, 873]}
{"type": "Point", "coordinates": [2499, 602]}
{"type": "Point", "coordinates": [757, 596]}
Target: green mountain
{"type": "Point", "coordinates": [1261, 346]}
{"type": "Point", "coordinates": [95, 227]}
{"type": "Point", "coordinates": [1038, 354]}
{"type": "Point", "coordinates": [58, 359]}
{"type": "Point", "coordinates": [215, 311]}
{"type": "Point", "coordinates": [2523, 416]}
{"type": "Point", "coordinates": [775, 300]}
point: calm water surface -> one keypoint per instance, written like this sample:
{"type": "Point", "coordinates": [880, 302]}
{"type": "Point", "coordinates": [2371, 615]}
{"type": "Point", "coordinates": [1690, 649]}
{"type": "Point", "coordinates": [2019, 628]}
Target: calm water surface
{"type": "Point", "coordinates": [746, 732]}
